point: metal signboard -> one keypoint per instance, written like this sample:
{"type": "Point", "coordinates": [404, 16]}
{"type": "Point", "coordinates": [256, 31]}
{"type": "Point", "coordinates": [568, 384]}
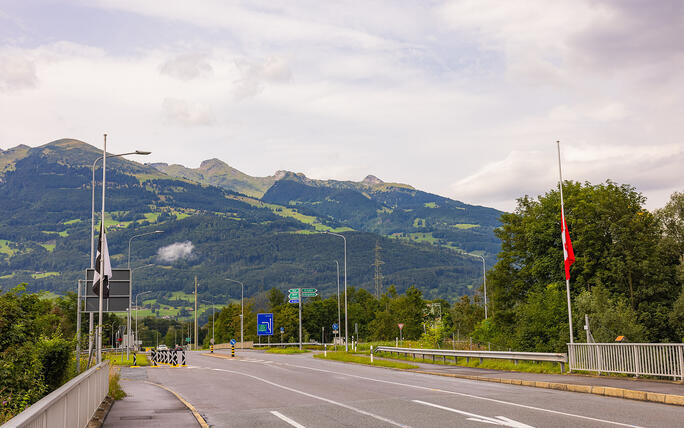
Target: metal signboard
{"type": "Point", "coordinates": [293, 295]}
{"type": "Point", "coordinates": [305, 294]}
{"type": "Point", "coordinates": [293, 290]}
{"type": "Point", "coordinates": [282, 329]}
{"type": "Point", "coordinates": [335, 326]}
{"type": "Point", "coordinates": [293, 301]}
{"type": "Point", "coordinates": [265, 324]}
{"type": "Point", "coordinates": [309, 290]}
{"type": "Point", "coordinates": [233, 341]}
{"type": "Point", "coordinates": [119, 289]}
{"type": "Point", "coordinates": [401, 326]}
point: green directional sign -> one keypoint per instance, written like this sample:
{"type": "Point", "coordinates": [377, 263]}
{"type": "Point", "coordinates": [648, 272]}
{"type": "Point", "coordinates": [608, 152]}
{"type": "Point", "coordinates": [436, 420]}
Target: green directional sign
{"type": "Point", "coordinates": [309, 290]}
{"type": "Point", "coordinates": [305, 294]}
{"type": "Point", "coordinates": [294, 296]}
{"type": "Point", "coordinates": [293, 290]}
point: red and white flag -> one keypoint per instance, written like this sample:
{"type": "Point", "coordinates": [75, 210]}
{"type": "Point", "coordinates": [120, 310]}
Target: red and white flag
{"type": "Point", "coordinates": [568, 253]}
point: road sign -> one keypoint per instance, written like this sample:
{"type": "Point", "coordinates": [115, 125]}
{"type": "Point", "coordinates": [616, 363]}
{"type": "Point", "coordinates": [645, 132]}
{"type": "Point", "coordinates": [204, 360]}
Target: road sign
{"type": "Point", "coordinates": [282, 329]}
{"type": "Point", "coordinates": [293, 295]}
{"type": "Point", "coordinates": [307, 294]}
{"type": "Point", "coordinates": [335, 326]}
{"type": "Point", "coordinates": [233, 341]}
{"type": "Point", "coordinates": [187, 339]}
{"type": "Point", "coordinates": [293, 301]}
{"type": "Point", "coordinates": [265, 324]}
{"type": "Point", "coordinates": [309, 290]}
{"type": "Point", "coordinates": [401, 326]}
{"type": "Point", "coordinates": [293, 290]}
{"type": "Point", "coordinates": [211, 340]}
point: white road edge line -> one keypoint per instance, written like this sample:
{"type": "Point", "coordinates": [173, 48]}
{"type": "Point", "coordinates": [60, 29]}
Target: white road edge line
{"type": "Point", "coordinates": [336, 403]}
{"type": "Point", "coordinates": [286, 419]}
{"type": "Point", "coordinates": [524, 406]}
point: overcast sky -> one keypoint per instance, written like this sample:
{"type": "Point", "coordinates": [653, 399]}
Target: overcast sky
{"type": "Point", "coordinates": [461, 98]}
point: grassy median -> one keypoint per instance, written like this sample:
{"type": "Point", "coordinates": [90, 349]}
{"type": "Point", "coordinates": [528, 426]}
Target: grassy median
{"type": "Point", "coordinates": [116, 359]}
{"type": "Point", "coordinates": [361, 359]}
{"type": "Point", "coordinates": [286, 351]}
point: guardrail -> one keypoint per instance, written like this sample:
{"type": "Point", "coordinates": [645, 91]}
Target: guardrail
{"type": "Point", "coordinates": [71, 405]}
{"type": "Point", "coordinates": [286, 344]}
{"type": "Point", "coordinates": [652, 359]}
{"type": "Point", "coordinates": [561, 359]}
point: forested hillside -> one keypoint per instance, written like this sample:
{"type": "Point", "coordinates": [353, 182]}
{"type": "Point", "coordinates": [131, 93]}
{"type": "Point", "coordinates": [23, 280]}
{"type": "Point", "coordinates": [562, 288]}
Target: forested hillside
{"type": "Point", "coordinates": [45, 223]}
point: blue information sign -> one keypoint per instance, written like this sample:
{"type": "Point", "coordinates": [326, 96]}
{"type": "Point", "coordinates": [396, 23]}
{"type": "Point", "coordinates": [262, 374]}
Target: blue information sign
{"type": "Point", "coordinates": [233, 341]}
{"type": "Point", "coordinates": [335, 326]}
{"type": "Point", "coordinates": [293, 301]}
{"type": "Point", "coordinates": [282, 329]}
{"type": "Point", "coordinates": [265, 324]}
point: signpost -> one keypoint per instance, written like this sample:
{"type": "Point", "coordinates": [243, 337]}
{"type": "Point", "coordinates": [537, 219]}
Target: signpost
{"type": "Point", "coordinates": [265, 324]}
{"type": "Point", "coordinates": [295, 295]}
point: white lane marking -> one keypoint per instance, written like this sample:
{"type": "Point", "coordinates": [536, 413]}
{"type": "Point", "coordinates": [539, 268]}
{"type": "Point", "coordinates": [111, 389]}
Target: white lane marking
{"type": "Point", "coordinates": [336, 403]}
{"type": "Point", "coordinates": [524, 406]}
{"type": "Point", "coordinates": [499, 420]}
{"type": "Point", "coordinates": [286, 419]}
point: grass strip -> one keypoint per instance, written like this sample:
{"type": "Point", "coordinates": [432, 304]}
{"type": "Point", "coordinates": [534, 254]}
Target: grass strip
{"type": "Point", "coordinates": [116, 360]}
{"type": "Point", "coordinates": [115, 390]}
{"type": "Point", "coordinates": [286, 351]}
{"type": "Point", "coordinates": [359, 359]}
{"type": "Point", "coordinates": [494, 364]}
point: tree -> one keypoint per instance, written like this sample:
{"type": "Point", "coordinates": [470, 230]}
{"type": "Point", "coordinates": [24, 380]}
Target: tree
{"type": "Point", "coordinates": [609, 317]}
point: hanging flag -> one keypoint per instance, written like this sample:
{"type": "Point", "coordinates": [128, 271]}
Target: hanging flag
{"type": "Point", "coordinates": [568, 253]}
{"type": "Point", "coordinates": [102, 251]}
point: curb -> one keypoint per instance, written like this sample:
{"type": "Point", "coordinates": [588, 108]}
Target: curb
{"type": "Point", "coordinates": [630, 394]}
{"type": "Point", "coordinates": [200, 419]}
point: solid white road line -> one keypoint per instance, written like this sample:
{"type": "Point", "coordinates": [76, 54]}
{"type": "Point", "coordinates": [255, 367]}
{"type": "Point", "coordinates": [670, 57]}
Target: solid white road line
{"type": "Point", "coordinates": [336, 403]}
{"type": "Point", "coordinates": [286, 419]}
{"type": "Point", "coordinates": [556, 412]}
{"type": "Point", "coordinates": [499, 420]}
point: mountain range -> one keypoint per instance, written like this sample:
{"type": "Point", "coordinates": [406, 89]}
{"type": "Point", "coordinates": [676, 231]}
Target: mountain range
{"type": "Point", "coordinates": [220, 222]}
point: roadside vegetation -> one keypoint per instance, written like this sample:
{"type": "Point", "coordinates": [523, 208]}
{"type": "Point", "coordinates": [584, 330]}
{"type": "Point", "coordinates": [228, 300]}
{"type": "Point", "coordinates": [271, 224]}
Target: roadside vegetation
{"type": "Point", "coordinates": [286, 351]}
{"type": "Point", "coordinates": [119, 359]}
{"type": "Point", "coordinates": [115, 390]}
{"type": "Point", "coordinates": [362, 359]}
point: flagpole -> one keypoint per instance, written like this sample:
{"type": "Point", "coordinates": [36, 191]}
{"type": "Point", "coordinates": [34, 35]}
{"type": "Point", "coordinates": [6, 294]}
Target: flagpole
{"type": "Point", "coordinates": [563, 226]}
{"type": "Point", "coordinates": [102, 258]}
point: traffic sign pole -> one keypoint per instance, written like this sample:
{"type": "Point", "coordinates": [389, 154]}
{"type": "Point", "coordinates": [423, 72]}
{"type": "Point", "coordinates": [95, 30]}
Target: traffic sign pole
{"type": "Point", "coordinates": [299, 291]}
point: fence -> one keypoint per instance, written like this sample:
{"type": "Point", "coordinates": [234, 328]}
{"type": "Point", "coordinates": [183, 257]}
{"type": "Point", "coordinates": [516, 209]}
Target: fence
{"type": "Point", "coordinates": [286, 344]}
{"type": "Point", "coordinates": [502, 355]}
{"type": "Point", "coordinates": [71, 405]}
{"type": "Point", "coordinates": [653, 359]}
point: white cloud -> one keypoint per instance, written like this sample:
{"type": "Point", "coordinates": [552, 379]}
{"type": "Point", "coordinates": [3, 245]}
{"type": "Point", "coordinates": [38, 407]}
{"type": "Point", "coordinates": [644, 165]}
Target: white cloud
{"type": "Point", "coordinates": [176, 251]}
{"type": "Point", "coordinates": [182, 112]}
{"type": "Point", "coordinates": [17, 73]}
{"type": "Point", "coordinates": [187, 66]}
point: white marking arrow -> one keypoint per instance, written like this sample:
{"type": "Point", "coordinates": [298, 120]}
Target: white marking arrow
{"type": "Point", "coordinates": [499, 420]}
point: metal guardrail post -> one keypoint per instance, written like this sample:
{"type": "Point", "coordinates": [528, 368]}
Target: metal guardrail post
{"type": "Point", "coordinates": [680, 352]}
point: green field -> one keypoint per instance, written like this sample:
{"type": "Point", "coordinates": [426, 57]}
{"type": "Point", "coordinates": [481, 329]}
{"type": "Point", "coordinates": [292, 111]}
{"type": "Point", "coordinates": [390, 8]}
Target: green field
{"type": "Point", "coordinates": [5, 248]}
{"type": "Point", "coordinates": [188, 301]}
{"type": "Point", "coordinates": [465, 226]}
{"type": "Point", "coordinates": [49, 247]}
{"type": "Point", "coordinates": [44, 275]}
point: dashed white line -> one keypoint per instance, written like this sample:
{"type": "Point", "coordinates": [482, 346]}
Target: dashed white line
{"type": "Point", "coordinates": [286, 419]}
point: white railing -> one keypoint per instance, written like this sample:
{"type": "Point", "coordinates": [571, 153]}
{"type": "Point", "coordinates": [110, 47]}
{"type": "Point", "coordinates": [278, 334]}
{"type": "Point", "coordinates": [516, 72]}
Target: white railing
{"type": "Point", "coordinates": [652, 359]}
{"type": "Point", "coordinates": [502, 355]}
{"type": "Point", "coordinates": [72, 405]}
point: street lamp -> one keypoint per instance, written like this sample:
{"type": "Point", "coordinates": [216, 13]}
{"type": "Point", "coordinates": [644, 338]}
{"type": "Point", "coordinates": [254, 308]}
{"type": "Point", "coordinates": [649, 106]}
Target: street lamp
{"type": "Point", "coordinates": [213, 320]}
{"type": "Point", "coordinates": [111, 326]}
{"type": "Point", "coordinates": [339, 319]}
{"type": "Point", "coordinates": [130, 287]}
{"type": "Point", "coordinates": [136, 312]}
{"type": "Point", "coordinates": [346, 336]}
{"type": "Point", "coordinates": [484, 280]}
{"type": "Point", "coordinates": [242, 311]}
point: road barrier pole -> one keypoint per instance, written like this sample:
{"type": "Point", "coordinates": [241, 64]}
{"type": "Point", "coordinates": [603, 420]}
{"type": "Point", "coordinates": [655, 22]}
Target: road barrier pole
{"type": "Point", "coordinates": [232, 350]}
{"type": "Point", "coordinates": [135, 360]}
{"type": "Point", "coordinates": [371, 354]}
{"type": "Point", "coordinates": [153, 357]}
{"type": "Point", "coordinates": [212, 348]}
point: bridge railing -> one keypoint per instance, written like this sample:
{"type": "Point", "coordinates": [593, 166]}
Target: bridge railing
{"type": "Point", "coordinates": [561, 359]}
{"type": "Point", "coordinates": [71, 405]}
{"type": "Point", "coordinates": [652, 359]}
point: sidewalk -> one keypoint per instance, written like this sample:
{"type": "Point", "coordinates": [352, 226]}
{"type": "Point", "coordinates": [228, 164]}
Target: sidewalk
{"type": "Point", "coordinates": [646, 390]}
{"type": "Point", "coordinates": [147, 405]}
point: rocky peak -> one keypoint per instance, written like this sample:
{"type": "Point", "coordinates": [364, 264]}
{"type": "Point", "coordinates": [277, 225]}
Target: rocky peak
{"type": "Point", "coordinates": [372, 180]}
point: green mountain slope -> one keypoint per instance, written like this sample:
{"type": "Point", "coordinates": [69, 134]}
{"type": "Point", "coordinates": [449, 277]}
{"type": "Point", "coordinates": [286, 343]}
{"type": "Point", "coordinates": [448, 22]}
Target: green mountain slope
{"type": "Point", "coordinates": [45, 220]}
{"type": "Point", "coordinates": [393, 210]}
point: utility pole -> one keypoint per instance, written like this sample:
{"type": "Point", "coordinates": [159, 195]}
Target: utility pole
{"type": "Point", "coordinates": [378, 272]}
{"type": "Point", "coordinates": [196, 312]}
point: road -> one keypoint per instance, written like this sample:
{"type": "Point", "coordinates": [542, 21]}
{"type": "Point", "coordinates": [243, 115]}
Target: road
{"type": "Point", "coordinates": [271, 390]}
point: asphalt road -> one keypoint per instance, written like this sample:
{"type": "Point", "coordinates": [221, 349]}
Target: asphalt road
{"type": "Point", "coordinates": [270, 390]}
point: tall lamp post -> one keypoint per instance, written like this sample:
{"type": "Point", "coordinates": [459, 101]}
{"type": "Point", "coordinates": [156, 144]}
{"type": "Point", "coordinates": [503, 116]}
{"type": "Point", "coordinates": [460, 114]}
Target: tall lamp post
{"type": "Point", "coordinates": [213, 320]}
{"type": "Point", "coordinates": [339, 318]}
{"type": "Point", "coordinates": [130, 289]}
{"type": "Point", "coordinates": [484, 280]}
{"type": "Point", "coordinates": [92, 234]}
{"type": "Point", "coordinates": [136, 312]}
{"type": "Point", "coordinates": [242, 311]}
{"type": "Point", "coordinates": [346, 336]}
